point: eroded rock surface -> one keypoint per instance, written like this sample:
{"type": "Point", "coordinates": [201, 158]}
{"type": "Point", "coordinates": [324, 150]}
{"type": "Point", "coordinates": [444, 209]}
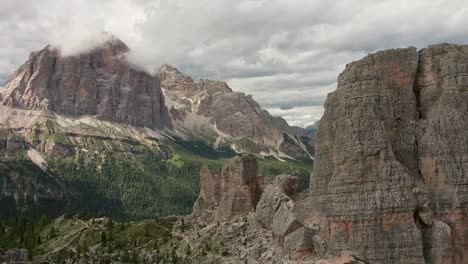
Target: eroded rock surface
{"type": "Point", "coordinates": [212, 108]}
{"type": "Point", "coordinates": [235, 192]}
{"type": "Point", "coordinates": [391, 158]}
{"type": "Point", "coordinates": [99, 82]}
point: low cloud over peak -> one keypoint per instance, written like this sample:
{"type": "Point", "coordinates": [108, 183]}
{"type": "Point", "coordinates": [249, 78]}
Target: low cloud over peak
{"type": "Point", "coordinates": [286, 53]}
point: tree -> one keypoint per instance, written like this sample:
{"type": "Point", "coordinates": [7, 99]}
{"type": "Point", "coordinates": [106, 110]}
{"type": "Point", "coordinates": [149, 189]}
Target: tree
{"type": "Point", "coordinates": [85, 247]}
{"type": "Point", "coordinates": [182, 225]}
{"type": "Point", "coordinates": [174, 255]}
{"type": "Point", "coordinates": [78, 250]}
{"type": "Point", "coordinates": [103, 238]}
{"type": "Point", "coordinates": [125, 257]}
{"type": "Point", "coordinates": [52, 232]}
{"type": "Point", "coordinates": [43, 221]}
{"type": "Point", "coordinates": [110, 225]}
{"type": "Point", "coordinates": [134, 258]}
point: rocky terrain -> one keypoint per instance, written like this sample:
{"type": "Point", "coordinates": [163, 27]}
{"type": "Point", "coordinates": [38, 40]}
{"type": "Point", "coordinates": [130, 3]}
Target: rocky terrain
{"type": "Point", "coordinates": [101, 83]}
{"type": "Point", "coordinates": [90, 129]}
{"type": "Point", "coordinates": [224, 117]}
{"type": "Point", "coordinates": [98, 83]}
{"type": "Point", "coordinates": [389, 183]}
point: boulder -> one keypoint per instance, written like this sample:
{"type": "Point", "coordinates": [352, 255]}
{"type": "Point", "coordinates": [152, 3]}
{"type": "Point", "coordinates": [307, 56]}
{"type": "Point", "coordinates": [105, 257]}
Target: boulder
{"type": "Point", "coordinates": [286, 220]}
{"type": "Point", "coordinates": [289, 184]}
{"type": "Point", "coordinates": [298, 243]}
{"type": "Point", "coordinates": [270, 201]}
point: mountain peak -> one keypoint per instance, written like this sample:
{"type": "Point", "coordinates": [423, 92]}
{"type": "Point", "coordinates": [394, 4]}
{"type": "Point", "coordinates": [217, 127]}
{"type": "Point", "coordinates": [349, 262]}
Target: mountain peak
{"type": "Point", "coordinates": [170, 73]}
{"type": "Point", "coordinates": [93, 80]}
{"type": "Point", "coordinates": [110, 41]}
{"type": "Point", "coordinates": [98, 42]}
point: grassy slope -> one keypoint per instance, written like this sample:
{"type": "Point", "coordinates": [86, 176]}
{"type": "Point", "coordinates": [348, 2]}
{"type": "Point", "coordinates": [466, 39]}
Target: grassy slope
{"type": "Point", "coordinates": [74, 238]}
{"type": "Point", "coordinates": [144, 185]}
{"type": "Point", "coordinates": [131, 178]}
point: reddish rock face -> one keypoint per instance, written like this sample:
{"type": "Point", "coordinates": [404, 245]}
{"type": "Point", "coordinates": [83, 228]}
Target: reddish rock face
{"type": "Point", "coordinates": [235, 192]}
{"type": "Point", "coordinates": [389, 180]}
{"type": "Point", "coordinates": [240, 190]}
{"type": "Point", "coordinates": [98, 82]}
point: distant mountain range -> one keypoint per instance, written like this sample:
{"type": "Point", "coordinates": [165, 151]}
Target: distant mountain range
{"type": "Point", "coordinates": [92, 133]}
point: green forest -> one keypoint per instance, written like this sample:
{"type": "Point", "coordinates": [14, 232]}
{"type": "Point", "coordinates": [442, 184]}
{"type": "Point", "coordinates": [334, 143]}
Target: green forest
{"type": "Point", "coordinates": [127, 186]}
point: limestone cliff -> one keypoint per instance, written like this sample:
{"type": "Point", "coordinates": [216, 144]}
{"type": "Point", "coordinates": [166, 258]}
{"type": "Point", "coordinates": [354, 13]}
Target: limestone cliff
{"type": "Point", "coordinates": [235, 192]}
{"type": "Point", "coordinates": [98, 82]}
{"type": "Point", "coordinates": [211, 109]}
{"type": "Point", "coordinates": [389, 180]}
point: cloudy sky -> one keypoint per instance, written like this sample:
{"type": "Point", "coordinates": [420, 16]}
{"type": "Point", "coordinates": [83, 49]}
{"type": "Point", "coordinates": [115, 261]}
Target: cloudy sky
{"type": "Point", "coordinates": [286, 53]}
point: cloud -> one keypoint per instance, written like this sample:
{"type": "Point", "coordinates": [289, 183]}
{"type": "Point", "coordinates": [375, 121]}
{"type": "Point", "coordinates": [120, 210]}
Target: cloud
{"type": "Point", "coordinates": [286, 53]}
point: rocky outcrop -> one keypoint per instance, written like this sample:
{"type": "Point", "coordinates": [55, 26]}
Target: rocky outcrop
{"type": "Point", "coordinates": [298, 244]}
{"type": "Point", "coordinates": [235, 192]}
{"type": "Point", "coordinates": [16, 255]}
{"type": "Point", "coordinates": [270, 201]}
{"type": "Point", "coordinates": [240, 188]}
{"type": "Point", "coordinates": [389, 180]}
{"type": "Point", "coordinates": [235, 196]}
{"type": "Point", "coordinates": [211, 108]}
{"type": "Point", "coordinates": [99, 82]}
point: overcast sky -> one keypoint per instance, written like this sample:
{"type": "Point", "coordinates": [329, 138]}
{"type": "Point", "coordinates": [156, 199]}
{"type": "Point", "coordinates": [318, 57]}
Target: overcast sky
{"type": "Point", "coordinates": [286, 53]}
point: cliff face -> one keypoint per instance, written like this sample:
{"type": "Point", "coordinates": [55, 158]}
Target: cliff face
{"type": "Point", "coordinates": [389, 180]}
{"type": "Point", "coordinates": [211, 108]}
{"type": "Point", "coordinates": [98, 82]}
{"type": "Point", "coordinates": [235, 192]}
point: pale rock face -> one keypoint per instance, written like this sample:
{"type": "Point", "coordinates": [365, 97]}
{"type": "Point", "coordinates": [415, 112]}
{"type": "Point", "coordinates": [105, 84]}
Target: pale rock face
{"type": "Point", "coordinates": [280, 191]}
{"type": "Point", "coordinates": [212, 108]}
{"type": "Point", "coordinates": [289, 184]}
{"type": "Point", "coordinates": [390, 177]}
{"type": "Point", "coordinates": [298, 243]}
{"type": "Point", "coordinates": [285, 220]}
{"type": "Point", "coordinates": [99, 82]}
{"type": "Point", "coordinates": [270, 202]}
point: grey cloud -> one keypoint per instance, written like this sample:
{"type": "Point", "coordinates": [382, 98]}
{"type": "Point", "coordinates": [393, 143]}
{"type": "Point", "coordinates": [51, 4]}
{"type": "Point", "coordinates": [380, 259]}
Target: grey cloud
{"type": "Point", "coordinates": [286, 53]}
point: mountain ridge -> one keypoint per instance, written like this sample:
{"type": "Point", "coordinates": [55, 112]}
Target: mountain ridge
{"type": "Point", "coordinates": [102, 83]}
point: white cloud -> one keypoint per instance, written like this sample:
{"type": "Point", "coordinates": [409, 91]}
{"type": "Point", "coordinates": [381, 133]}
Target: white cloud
{"type": "Point", "coordinates": [286, 53]}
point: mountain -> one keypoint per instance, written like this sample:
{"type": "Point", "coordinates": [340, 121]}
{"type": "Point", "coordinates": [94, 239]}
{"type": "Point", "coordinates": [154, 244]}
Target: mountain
{"type": "Point", "coordinates": [98, 83]}
{"type": "Point", "coordinates": [311, 130]}
{"type": "Point", "coordinates": [92, 134]}
{"type": "Point", "coordinates": [101, 83]}
{"type": "Point", "coordinates": [389, 182]}
{"type": "Point", "coordinates": [390, 174]}
{"type": "Point", "coordinates": [211, 110]}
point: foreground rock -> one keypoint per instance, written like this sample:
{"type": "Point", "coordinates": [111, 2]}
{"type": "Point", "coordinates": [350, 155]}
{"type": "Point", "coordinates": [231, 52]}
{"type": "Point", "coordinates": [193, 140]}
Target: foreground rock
{"type": "Point", "coordinates": [235, 192]}
{"type": "Point", "coordinates": [266, 216]}
{"type": "Point", "coordinates": [389, 180]}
